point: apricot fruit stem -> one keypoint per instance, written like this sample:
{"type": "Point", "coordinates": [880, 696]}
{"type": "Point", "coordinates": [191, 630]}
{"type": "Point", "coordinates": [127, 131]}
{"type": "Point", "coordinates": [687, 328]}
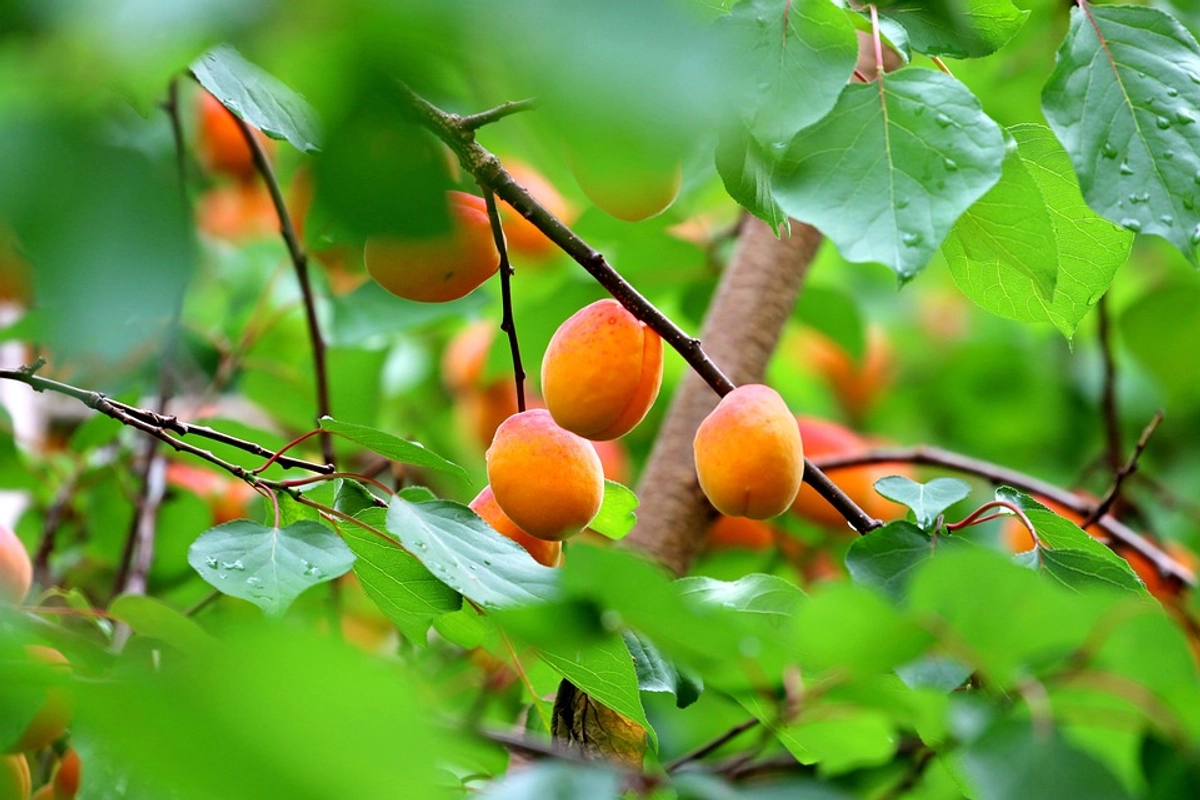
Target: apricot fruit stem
{"type": "Point", "coordinates": [508, 322]}
{"type": "Point", "coordinates": [299, 258]}
{"type": "Point", "coordinates": [977, 516]}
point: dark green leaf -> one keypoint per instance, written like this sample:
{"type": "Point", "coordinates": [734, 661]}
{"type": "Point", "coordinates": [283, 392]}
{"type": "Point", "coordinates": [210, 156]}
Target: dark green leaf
{"type": "Point", "coordinates": [389, 446]}
{"type": "Point", "coordinates": [468, 556]}
{"type": "Point", "coordinates": [257, 97]}
{"type": "Point", "coordinates": [1123, 99]}
{"type": "Point", "coordinates": [657, 673]}
{"type": "Point", "coordinates": [616, 517]}
{"type": "Point", "coordinates": [405, 591]}
{"type": "Point", "coordinates": [747, 168]}
{"type": "Point", "coordinates": [149, 617]}
{"type": "Point", "coordinates": [956, 28]}
{"type": "Point", "coordinates": [849, 628]}
{"type": "Point", "coordinates": [909, 158]}
{"type": "Point", "coordinates": [556, 780]}
{"type": "Point", "coordinates": [885, 559]}
{"type": "Point", "coordinates": [927, 500]}
{"type": "Point", "coordinates": [270, 567]}
{"type": "Point", "coordinates": [1164, 315]}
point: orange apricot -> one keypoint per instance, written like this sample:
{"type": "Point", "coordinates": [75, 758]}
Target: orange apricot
{"type": "Point", "coordinates": [522, 235]}
{"type": "Point", "coordinates": [857, 384]}
{"type": "Point", "coordinates": [823, 438]}
{"type": "Point", "coordinates": [54, 715]}
{"type": "Point", "coordinates": [614, 458]}
{"type": "Point", "coordinates": [15, 780]}
{"type": "Point", "coordinates": [602, 371]}
{"type": "Point", "coordinates": [625, 184]}
{"type": "Point", "coordinates": [220, 144]}
{"type": "Point", "coordinates": [440, 268]}
{"type": "Point", "coordinates": [549, 481]}
{"type": "Point", "coordinates": [66, 780]}
{"type": "Point", "coordinates": [546, 553]}
{"type": "Point", "coordinates": [739, 532]}
{"type": "Point", "coordinates": [465, 355]}
{"type": "Point", "coordinates": [16, 569]}
{"type": "Point", "coordinates": [46, 792]}
{"type": "Point", "coordinates": [748, 452]}
{"type": "Point", "coordinates": [228, 498]}
{"type": "Point", "coordinates": [237, 213]}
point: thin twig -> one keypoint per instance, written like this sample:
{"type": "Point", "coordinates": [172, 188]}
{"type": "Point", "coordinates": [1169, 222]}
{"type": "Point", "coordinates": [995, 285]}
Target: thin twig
{"type": "Point", "coordinates": [474, 122]}
{"type": "Point", "coordinates": [934, 456]}
{"type": "Point", "coordinates": [1124, 471]}
{"type": "Point", "coordinates": [300, 262]}
{"type": "Point", "coordinates": [508, 322]}
{"type": "Point", "coordinates": [707, 749]}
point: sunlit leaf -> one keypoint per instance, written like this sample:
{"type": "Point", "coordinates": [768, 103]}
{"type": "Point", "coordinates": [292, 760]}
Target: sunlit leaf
{"type": "Point", "coordinates": [616, 517]}
{"type": "Point", "coordinates": [391, 446]}
{"type": "Point", "coordinates": [908, 156]}
{"type": "Point", "coordinates": [149, 617]}
{"type": "Point", "coordinates": [927, 500]}
{"type": "Point", "coordinates": [1123, 100]}
{"type": "Point", "coordinates": [956, 28]}
{"type": "Point", "coordinates": [747, 169]}
{"type": "Point", "coordinates": [270, 567]}
{"type": "Point", "coordinates": [657, 673]}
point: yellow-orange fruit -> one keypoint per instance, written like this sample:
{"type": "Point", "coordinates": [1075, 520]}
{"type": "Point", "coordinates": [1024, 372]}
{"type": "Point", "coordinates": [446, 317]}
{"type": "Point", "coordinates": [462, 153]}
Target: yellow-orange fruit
{"type": "Point", "coordinates": [856, 384]}
{"type": "Point", "coordinates": [44, 793]}
{"type": "Point", "coordinates": [465, 354]}
{"type": "Point", "coordinates": [220, 144]}
{"type": "Point", "coordinates": [548, 480]}
{"type": "Point", "coordinates": [66, 780]}
{"type": "Point", "coordinates": [228, 498]}
{"type": "Point", "coordinates": [749, 456]}
{"type": "Point", "coordinates": [15, 780]}
{"type": "Point", "coordinates": [237, 212]}
{"type": "Point", "coordinates": [614, 458]}
{"type": "Point", "coordinates": [523, 237]}
{"type": "Point", "coordinates": [16, 570]}
{"type": "Point", "coordinates": [602, 371]}
{"type": "Point", "coordinates": [739, 532]}
{"type": "Point", "coordinates": [52, 718]}
{"type": "Point", "coordinates": [823, 438]}
{"type": "Point", "coordinates": [441, 268]}
{"type": "Point", "coordinates": [547, 553]}
{"type": "Point", "coordinates": [628, 188]}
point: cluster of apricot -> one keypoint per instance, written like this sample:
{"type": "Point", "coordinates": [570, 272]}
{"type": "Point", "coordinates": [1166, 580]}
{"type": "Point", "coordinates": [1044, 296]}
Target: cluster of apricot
{"type": "Point", "coordinates": [50, 720]}
{"type": "Point", "coordinates": [600, 375]}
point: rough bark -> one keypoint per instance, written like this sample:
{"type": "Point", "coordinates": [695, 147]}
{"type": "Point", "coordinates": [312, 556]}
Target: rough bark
{"type": "Point", "coordinates": [753, 300]}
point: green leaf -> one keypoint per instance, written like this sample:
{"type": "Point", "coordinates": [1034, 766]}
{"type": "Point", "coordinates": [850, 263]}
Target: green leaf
{"type": "Point", "coordinates": [616, 517]}
{"type": "Point", "coordinates": [800, 52]}
{"type": "Point", "coordinates": [886, 558]}
{"type": "Point", "coordinates": [747, 168]}
{"type": "Point", "coordinates": [605, 671]}
{"type": "Point", "coordinates": [1084, 253]}
{"type": "Point", "coordinates": [657, 673]}
{"type": "Point", "coordinates": [838, 736]}
{"type": "Point", "coordinates": [835, 313]}
{"type": "Point", "coordinates": [352, 497]}
{"type": "Point", "coordinates": [390, 446]}
{"type": "Point", "coordinates": [848, 628]}
{"type": "Point", "coordinates": [405, 591]}
{"type": "Point", "coordinates": [552, 778]}
{"type": "Point", "coordinates": [755, 594]}
{"type": "Point", "coordinates": [927, 500]}
{"type": "Point", "coordinates": [1123, 99]}
{"type": "Point", "coordinates": [1164, 315]}
{"type": "Point", "coordinates": [152, 618]}
{"type": "Point", "coordinates": [371, 313]}
{"type": "Point", "coordinates": [1068, 554]}
{"type": "Point", "coordinates": [257, 97]}
{"type": "Point", "coordinates": [956, 28]}
{"type": "Point", "coordinates": [463, 552]}
{"type": "Point", "coordinates": [270, 567]}
{"type": "Point", "coordinates": [1015, 761]}
{"type": "Point", "coordinates": [909, 155]}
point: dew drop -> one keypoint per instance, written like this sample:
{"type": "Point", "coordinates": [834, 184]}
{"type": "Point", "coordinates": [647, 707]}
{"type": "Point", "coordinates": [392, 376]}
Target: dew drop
{"type": "Point", "coordinates": [1195, 237]}
{"type": "Point", "coordinates": [902, 202]}
{"type": "Point", "coordinates": [944, 121]}
{"type": "Point", "coordinates": [912, 239]}
{"type": "Point", "coordinates": [1129, 223]}
{"type": "Point", "coordinates": [1126, 169]}
{"type": "Point", "coordinates": [254, 580]}
{"type": "Point", "coordinates": [1167, 219]}
{"type": "Point", "coordinates": [1172, 91]}
{"type": "Point", "coordinates": [487, 562]}
{"type": "Point", "coordinates": [1184, 116]}
{"type": "Point", "coordinates": [421, 544]}
{"type": "Point", "coordinates": [1168, 155]}
{"type": "Point", "coordinates": [1108, 151]}
{"type": "Point", "coordinates": [1142, 197]}
{"type": "Point", "coordinates": [1162, 122]}
{"type": "Point", "coordinates": [211, 563]}
{"type": "Point", "coordinates": [1195, 78]}
{"type": "Point", "coordinates": [1189, 203]}
{"type": "Point", "coordinates": [950, 164]}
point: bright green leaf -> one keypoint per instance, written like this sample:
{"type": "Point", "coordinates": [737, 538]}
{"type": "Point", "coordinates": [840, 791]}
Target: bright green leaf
{"type": "Point", "coordinates": [390, 446]}
{"type": "Point", "coordinates": [147, 616]}
{"type": "Point", "coordinates": [616, 517]}
{"type": "Point", "coordinates": [956, 28]}
{"type": "Point", "coordinates": [927, 500]}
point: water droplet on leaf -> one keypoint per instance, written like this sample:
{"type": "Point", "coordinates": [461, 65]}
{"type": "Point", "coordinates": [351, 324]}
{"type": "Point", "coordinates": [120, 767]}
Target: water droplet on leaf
{"type": "Point", "coordinates": [1126, 169]}
{"type": "Point", "coordinates": [1129, 223]}
{"type": "Point", "coordinates": [912, 239]}
{"type": "Point", "coordinates": [1162, 122]}
{"type": "Point", "coordinates": [1108, 151]}
{"type": "Point", "coordinates": [950, 164]}
{"type": "Point", "coordinates": [1184, 116]}
{"type": "Point", "coordinates": [944, 121]}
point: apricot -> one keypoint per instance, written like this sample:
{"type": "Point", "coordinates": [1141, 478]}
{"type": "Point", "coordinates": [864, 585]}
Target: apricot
{"type": "Point", "coordinates": [220, 144]}
{"type": "Point", "coordinates": [46, 792]}
{"type": "Point", "coordinates": [614, 458]}
{"type": "Point", "coordinates": [749, 456]}
{"type": "Point", "coordinates": [465, 355]}
{"type": "Point", "coordinates": [440, 268]}
{"type": "Point", "coordinates": [522, 235]}
{"type": "Point", "coordinates": [548, 480]}
{"type": "Point", "coordinates": [857, 384]}
{"type": "Point", "coordinates": [237, 213]}
{"type": "Point", "coordinates": [227, 498]}
{"type": "Point", "coordinates": [54, 715]}
{"type": "Point", "coordinates": [546, 553]}
{"type": "Point", "coordinates": [15, 780]}
{"type": "Point", "coordinates": [16, 570]}
{"type": "Point", "coordinates": [66, 780]}
{"type": "Point", "coordinates": [602, 371]}
{"type": "Point", "coordinates": [625, 184]}
{"type": "Point", "coordinates": [823, 438]}
{"type": "Point", "coordinates": [739, 533]}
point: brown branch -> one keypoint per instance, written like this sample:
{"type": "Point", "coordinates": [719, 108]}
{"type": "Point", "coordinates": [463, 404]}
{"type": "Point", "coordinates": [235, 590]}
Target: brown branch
{"type": "Point", "coordinates": [704, 750]}
{"type": "Point", "coordinates": [508, 322]}
{"type": "Point", "coordinates": [1123, 472]}
{"type": "Point", "coordinates": [474, 122]}
{"type": "Point", "coordinates": [300, 262]}
{"type": "Point", "coordinates": [1167, 566]}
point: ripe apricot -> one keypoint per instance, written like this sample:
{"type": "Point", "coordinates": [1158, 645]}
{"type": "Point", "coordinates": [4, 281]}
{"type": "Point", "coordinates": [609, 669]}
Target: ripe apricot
{"type": "Point", "coordinates": [465, 354]}
{"type": "Point", "coordinates": [522, 236]}
{"type": "Point", "coordinates": [602, 371]}
{"type": "Point", "coordinates": [739, 532]}
{"type": "Point", "coordinates": [546, 553]}
{"type": "Point", "coordinates": [16, 570]}
{"type": "Point", "coordinates": [15, 780]}
{"type": "Point", "coordinates": [823, 438]}
{"type": "Point", "coordinates": [66, 780]}
{"type": "Point", "coordinates": [749, 456]}
{"type": "Point", "coordinates": [624, 183]}
{"type": "Point", "coordinates": [228, 498]}
{"type": "Point", "coordinates": [441, 268]}
{"type": "Point", "coordinates": [857, 384]}
{"type": "Point", "coordinates": [220, 144]}
{"type": "Point", "coordinates": [548, 480]}
{"type": "Point", "coordinates": [55, 712]}
{"type": "Point", "coordinates": [237, 212]}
